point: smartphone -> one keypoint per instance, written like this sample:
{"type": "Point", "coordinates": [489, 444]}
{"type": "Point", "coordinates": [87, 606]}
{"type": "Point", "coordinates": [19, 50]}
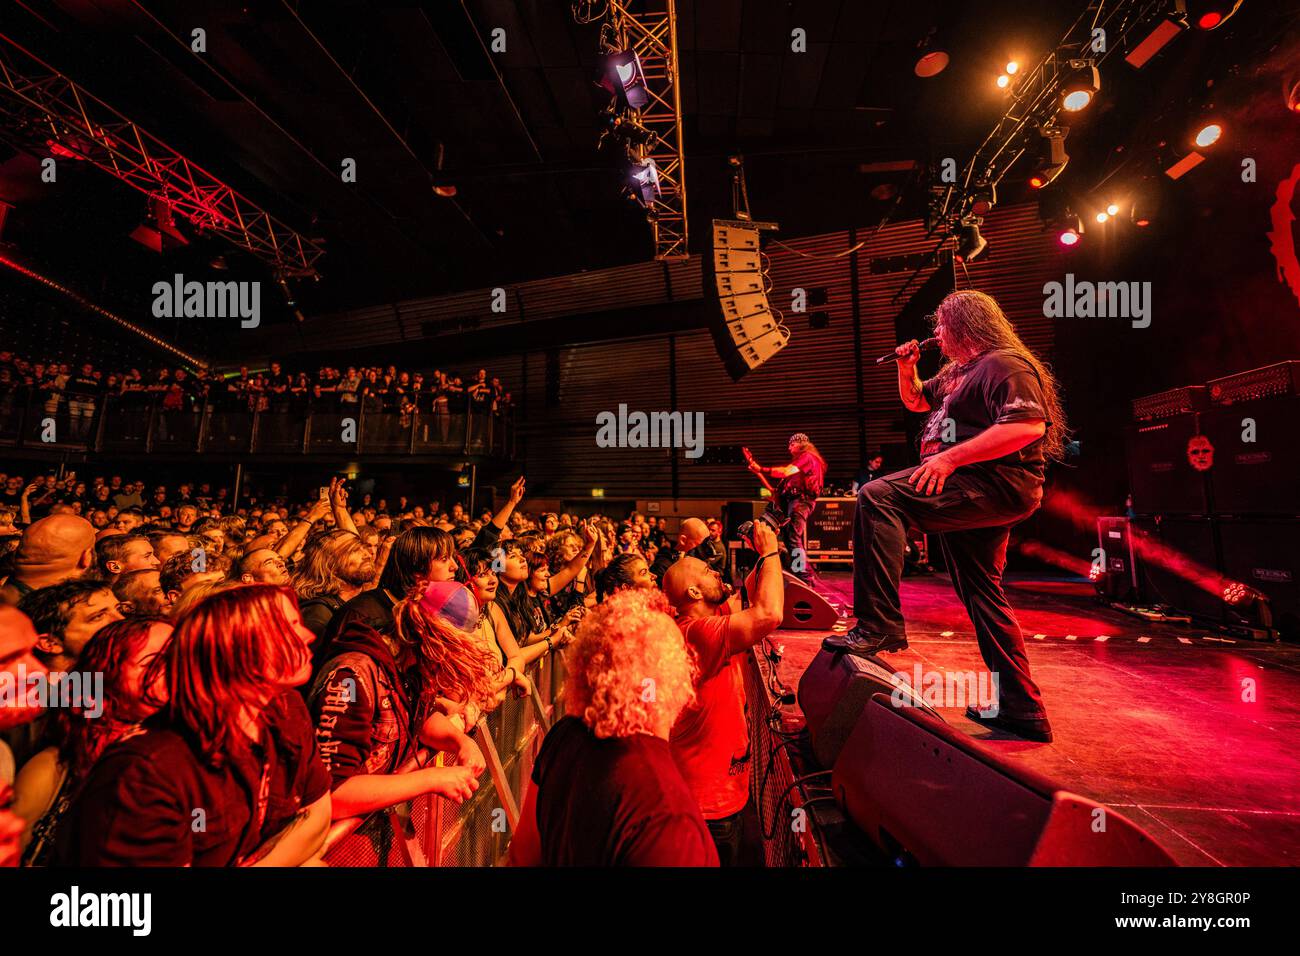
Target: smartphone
{"type": "Point", "coordinates": [324, 493]}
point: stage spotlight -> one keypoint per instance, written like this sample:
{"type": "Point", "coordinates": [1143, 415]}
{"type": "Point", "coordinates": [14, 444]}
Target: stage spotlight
{"type": "Point", "coordinates": [1210, 14]}
{"type": "Point", "coordinates": [970, 244]}
{"type": "Point", "coordinates": [1102, 216]}
{"type": "Point", "coordinates": [1012, 67]}
{"type": "Point", "coordinates": [1293, 98]}
{"type": "Point", "coordinates": [932, 58]}
{"type": "Point", "coordinates": [1051, 157]}
{"type": "Point", "coordinates": [622, 76]}
{"type": "Point", "coordinates": [1112, 209]}
{"type": "Point", "coordinates": [1208, 135]}
{"type": "Point", "coordinates": [645, 181]}
{"type": "Point", "coordinates": [984, 199]}
{"type": "Point", "coordinates": [1004, 81]}
{"type": "Point", "coordinates": [1070, 229]}
{"type": "Point", "coordinates": [1080, 83]}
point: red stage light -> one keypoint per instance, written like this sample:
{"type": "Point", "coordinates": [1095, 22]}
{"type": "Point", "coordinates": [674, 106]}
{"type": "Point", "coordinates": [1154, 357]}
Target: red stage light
{"type": "Point", "coordinates": [1068, 238]}
{"type": "Point", "coordinates": [932, 63]}
{"type": "Point", "coordinates": [1037, 182]}
{"type": "Point", "coordinates": [1210, 20]}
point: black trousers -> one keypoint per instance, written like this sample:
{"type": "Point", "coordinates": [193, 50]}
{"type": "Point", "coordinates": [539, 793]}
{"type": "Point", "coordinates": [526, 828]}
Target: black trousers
{"type": "Point", "coordinates": [972, 518]}
{"type": "Point", "coordinates": [795, 534]}
{"type": "Point", "coordinates": [738, 838]}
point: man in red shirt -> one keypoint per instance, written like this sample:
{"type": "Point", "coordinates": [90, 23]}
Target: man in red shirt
{"type": "Point", "coordinates": [710, 741]}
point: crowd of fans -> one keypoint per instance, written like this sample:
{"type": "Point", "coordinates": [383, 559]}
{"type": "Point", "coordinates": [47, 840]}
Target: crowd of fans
{"type": "Point", "coordinates": [222, 684]}
{"type": "Point", "coordinates": [74, 392]}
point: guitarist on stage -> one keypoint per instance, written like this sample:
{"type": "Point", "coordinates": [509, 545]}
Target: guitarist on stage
{"type": "Point", "coordinates": [795, 495]}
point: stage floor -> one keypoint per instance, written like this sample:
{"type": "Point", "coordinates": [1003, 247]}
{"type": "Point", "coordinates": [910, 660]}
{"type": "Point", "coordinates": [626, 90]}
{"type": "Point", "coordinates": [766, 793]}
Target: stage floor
{"type": "Point", "coordinates": [1154, 720]}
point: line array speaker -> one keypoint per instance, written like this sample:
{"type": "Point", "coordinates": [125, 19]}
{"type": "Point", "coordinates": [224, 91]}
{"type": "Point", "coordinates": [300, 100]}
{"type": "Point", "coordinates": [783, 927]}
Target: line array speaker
{"type": "Point", "coordinates": [746, 333]}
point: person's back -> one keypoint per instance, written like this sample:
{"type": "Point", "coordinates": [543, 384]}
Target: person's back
{"type": "Point", "coordinates": [617, 801]}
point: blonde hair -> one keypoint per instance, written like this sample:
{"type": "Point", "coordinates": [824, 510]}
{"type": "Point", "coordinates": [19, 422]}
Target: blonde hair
{"type": "Point", "coordinates": [191, 597]}
{"type": "Point", "coordinates": [450, 662]}
{"type": "Point", "coordinates": [630, 669]}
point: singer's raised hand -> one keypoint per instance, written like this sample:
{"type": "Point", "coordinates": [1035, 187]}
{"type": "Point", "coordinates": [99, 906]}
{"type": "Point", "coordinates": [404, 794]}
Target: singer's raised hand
{"type": "Point", "coordinates": [909, 353]}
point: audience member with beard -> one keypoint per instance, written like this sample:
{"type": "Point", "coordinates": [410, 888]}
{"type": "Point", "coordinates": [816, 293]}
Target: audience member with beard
{"type": "Point", "coordinates": [421, 554]}
{"type": "Point", "coordinates": [233, 740]}
{"type": "Point", "coordinates": [52, 550]}
{"type": "Point", "coordinates": [607, 791]}
{"type": "Point", "coordinates": [122, 652]}
{"type": "Point", "coordinates": [363, 702]}
{"type": "Point", "coordinates": [140, 594]}
{"type": "Point", "coordinates": [335, 568]}
{"type": "Point", "coordinates": [710, 740]}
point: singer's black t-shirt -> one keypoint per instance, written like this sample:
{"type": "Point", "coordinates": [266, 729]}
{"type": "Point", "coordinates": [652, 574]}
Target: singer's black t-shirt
{"type": "Point", "coordinates": [996, 388]}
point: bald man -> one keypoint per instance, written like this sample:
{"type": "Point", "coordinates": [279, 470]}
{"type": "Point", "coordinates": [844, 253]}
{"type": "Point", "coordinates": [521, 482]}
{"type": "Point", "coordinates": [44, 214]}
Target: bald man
{"type": "Point", "coordinates": [52, 550]}
{"type": "Point", "coordinates": [710, 741]}
{"type": "Point", "coordinates": [692, 534]}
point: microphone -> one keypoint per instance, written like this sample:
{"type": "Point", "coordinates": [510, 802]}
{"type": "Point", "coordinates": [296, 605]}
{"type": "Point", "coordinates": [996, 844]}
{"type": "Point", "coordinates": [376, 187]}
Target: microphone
{"type": "Point", "coordinates": [893, 356]}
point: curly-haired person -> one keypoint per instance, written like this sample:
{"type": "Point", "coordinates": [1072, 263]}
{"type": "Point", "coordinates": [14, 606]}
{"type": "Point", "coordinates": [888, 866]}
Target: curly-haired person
{"type": "Point", "coordinates": [607, 792]}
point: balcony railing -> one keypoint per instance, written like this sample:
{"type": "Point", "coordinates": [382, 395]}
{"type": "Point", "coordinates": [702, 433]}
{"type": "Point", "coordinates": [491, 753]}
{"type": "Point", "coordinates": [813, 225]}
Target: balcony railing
{"type": "Point", "coordinates": [139, 424]}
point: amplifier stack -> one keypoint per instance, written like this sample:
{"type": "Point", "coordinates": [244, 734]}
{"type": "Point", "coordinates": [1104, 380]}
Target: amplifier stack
{"type": "Point", "coordinates": [1214, 472]}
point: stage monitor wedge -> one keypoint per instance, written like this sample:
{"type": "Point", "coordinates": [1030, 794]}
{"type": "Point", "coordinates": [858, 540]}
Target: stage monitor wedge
{"type": "Point", "coordinates": [746, 332]}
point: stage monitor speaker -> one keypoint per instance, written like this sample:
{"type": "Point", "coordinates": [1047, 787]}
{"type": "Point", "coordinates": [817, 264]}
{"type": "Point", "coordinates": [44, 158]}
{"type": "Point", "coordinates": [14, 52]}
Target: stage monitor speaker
{"type": "Point", "coordinates": [1115, 538]}
{"type": "Point", "coordinates": [1182, 555]}
{"type": "Point", "coordinates": [805, 609]}
{"type": "Point", "coordinates": [746, 332]}
{"type": "Point", "coordinates": [1256, 456]}
{"type": "Point", "coordinates": [830, 526]}
{"type": "Point", "coordinates": [833, 691]}
{"type": "Point", "coordinates": [736, 513]}
{"type": "Point", "coordinates": [928, 794]}
{"type": "Point", "coordinates": [1161, 475]}
{"type": "Point", "coordinates": [1263, 554]}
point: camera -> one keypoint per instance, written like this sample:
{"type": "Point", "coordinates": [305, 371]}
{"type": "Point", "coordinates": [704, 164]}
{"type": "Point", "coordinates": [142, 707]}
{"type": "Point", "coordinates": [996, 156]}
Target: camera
{"type": "Point", "coordinates": [773, 517]}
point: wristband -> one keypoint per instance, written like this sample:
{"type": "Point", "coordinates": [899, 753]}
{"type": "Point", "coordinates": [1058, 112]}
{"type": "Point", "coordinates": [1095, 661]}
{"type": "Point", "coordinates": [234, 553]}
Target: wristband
{"type": "Point", "coordinates": [773, 554]}
{"type": "Point", "coordinates": [550, 647]}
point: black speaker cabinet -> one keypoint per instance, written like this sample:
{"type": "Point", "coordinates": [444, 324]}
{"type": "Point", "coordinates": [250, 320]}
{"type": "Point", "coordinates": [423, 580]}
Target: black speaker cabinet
{"type": "Point", "coordinates": [1256, 454]}
{"type": "Point", "coordinates": [1177, 562]}
{"type": "Point", "coordinates": [833, 691]}
{"type": "Point", "coordinates": [928, 794]}
{"type": "Point", "coordinates": [1161, 475]}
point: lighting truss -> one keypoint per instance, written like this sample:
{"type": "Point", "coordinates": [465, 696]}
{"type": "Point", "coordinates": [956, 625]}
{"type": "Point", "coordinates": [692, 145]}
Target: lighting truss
{"type": "Point", "coordinates": [49, 112]}
{"type": "Point", "coordinates": [652, 34]}
{"type": "Point", "coordinates": [1035, 100]}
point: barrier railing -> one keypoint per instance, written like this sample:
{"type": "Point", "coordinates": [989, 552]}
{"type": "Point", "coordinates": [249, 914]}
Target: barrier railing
{"type": "Point", "coordinates": [432, 831]}
{"type": "Point", "coordinates": [138, 423]}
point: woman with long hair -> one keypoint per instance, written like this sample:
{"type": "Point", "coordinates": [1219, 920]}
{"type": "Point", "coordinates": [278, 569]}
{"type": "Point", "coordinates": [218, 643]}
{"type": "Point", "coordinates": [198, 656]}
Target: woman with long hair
{"type": "Point", "coordinates": [492, 630]}
{"type": "Point", "coordinates": [365, 701]}
{"type": "Point", "coordinates": [995, 421]}
{"type": "Point", "coordinates": [226, 773]}
{"type": "Point", "coordinates": [122, 652]}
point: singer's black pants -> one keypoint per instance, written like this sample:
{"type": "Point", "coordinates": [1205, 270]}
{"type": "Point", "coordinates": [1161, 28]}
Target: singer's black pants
{"type": "Point", "coordinates": [972, 519]}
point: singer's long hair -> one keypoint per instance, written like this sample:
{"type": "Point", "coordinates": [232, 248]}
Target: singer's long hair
{"type": "Point", "coordinates": [977, 324]}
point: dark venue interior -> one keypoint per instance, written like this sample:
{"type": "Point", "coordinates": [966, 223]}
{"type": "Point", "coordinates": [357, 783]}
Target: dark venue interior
{"type": "Point", "coordinates": [445, 340]}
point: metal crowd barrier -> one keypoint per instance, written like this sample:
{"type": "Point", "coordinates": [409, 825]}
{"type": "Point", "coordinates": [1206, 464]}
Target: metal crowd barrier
{"type": "Point", "coordinates": [432, 831]}
{"type": "Point", "coordinates": [136, 423]}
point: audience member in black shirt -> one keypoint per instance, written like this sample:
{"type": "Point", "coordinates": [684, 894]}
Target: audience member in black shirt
{"type": "Point", "coordinates": [607, 790]}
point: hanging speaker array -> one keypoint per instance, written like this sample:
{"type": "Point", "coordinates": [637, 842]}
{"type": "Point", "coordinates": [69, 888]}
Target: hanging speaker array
{"type": "Point", "coordinates": [747, 333]}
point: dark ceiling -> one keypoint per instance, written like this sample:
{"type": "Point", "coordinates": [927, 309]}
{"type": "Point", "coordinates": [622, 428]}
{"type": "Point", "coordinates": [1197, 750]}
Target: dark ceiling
{"type": "Point", "coordinates": [286, 91]}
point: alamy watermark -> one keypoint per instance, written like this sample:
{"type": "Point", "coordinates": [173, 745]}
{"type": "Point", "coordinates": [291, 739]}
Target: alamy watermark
{"type": "Point", "coordinates": [1083, 299]}
{"type": "Point", "coordinates": [947, 689]}
{"type": "Point", "coordinates": [208, 300]}
{"type": "Point", "coordinates": [626, 429]}
{"type": "Point", "coordinates": [83, 690]}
